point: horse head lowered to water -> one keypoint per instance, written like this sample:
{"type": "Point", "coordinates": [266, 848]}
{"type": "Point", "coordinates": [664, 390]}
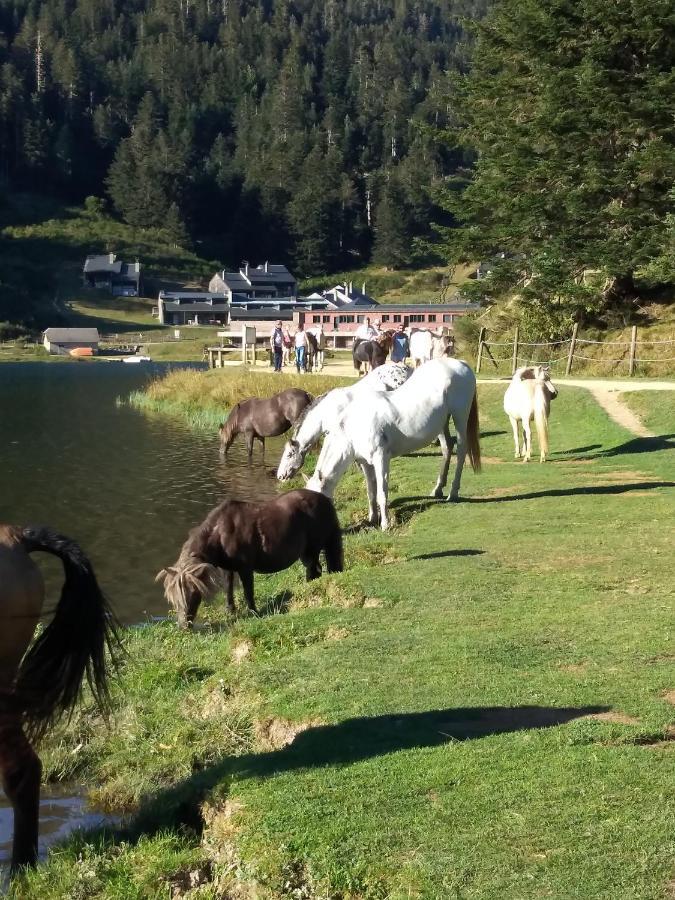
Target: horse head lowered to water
{"type": "Point", "coordinates": [240, 538]}
{"type": "Point", "coordinates": [376, 427]}
{"type": "Point", "coordinates": [42, 680]}
{"type": "Point", "coordinates": [322, 414]}
{"type": "Point", "coordinates": [528, 397]}
{"type": "Point", "coordinates": [263, 417]}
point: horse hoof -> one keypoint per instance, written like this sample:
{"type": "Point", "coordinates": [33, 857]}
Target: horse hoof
{"type": "Point", "coordinates": [453, 498]}
{"type": "Point", "coordinates": [437, 494]}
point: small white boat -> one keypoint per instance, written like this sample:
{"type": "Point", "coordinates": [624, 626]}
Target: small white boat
{"type": "Point", "coordinates": [136, 359]}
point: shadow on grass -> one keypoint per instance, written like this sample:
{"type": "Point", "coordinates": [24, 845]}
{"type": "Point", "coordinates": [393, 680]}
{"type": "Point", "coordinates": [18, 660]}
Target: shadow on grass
{"type": "Point", "coordinates": [406, 507]}
{"type": "Point", "coordinates": [350, 741]}
{"type": "Point", "coordinates": [441, 554]}
{"type": "Point", "coordinates": [564, 453]}
{"type": "Point", "coordinates": [639, 445]}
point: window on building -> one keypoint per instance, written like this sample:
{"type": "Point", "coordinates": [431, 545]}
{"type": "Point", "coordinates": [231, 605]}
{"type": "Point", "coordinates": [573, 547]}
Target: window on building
{"type": "Point", "coordinates": [360, 319]}
{"type": "Point", "coordinates": [432, 317]}
{"type": "Point", "coordinates": [316, 319]}
{"type": "Point", "coordinates": [448, 318]}
{"type": "Point", "coordinates": [385, 318]}
{"type": "Point", "coordinates": [397, 318]}
{"type": "Point", "coordinates": [326, 318]}
{"type": "Point", "coordinates": [346, 318]}
{"type": "Point", "coordinates": [416, 317]}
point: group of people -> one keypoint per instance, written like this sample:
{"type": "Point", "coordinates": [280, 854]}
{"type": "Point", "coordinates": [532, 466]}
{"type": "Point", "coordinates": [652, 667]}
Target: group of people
{"type": "Point", "coordinates": [400, 343]}
{"type": "Point", "coordinates": [282, 342]}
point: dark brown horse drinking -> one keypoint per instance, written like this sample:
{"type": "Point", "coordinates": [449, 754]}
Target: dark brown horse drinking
{"type": "Point", "coordinates": [241, 538]}
{"type": "Point", "coordinates": [373, 353]}
{"type": "Point", "coordinates": [39, 683]}
{"type": "Point", "coordinates": [263, 417]}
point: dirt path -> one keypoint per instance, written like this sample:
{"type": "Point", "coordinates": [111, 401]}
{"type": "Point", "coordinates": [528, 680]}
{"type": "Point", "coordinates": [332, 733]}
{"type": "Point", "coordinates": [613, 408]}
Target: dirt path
{"type": "Point", "coordinates": [610, 401]}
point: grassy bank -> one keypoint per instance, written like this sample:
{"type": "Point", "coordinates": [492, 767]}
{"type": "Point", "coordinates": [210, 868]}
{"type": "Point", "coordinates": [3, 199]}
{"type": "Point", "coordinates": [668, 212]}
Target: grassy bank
{"type": "Point", "coordinates": [480, 706]}
{"type": "Point", "coordinates": [202, 398]}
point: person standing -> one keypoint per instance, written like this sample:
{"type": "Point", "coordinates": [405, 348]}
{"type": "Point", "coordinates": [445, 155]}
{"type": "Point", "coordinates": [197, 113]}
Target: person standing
{"type": "Point", "coordinates": [401, 346]}
{"type": "Point", "coordinates": [320, 347]}
{"type": "Point", "coordinates": [301, 349]}
{"type": "Point", "coordinates": [288, 343]}
{"type": "Point", "coordinates": [277, 345]}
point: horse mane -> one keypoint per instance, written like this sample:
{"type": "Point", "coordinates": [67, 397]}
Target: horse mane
{"type": "Point", "coordinates": [228, 428]}
{"type": "Point", "coordinates": [303, 415]}
{"type": "Point", "coordinates": [189, 572]}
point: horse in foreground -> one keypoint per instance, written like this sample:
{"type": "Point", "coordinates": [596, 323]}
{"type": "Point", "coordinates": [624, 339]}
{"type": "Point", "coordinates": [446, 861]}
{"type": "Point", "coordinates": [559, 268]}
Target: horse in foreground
{"type": "Point", "coordinates": [528, 397]}
{"type": "Point", "coordinates": [40, 682]}
{"type": "Point", "coordinates": [376, 427]}
{"type": "Point", "coordinates": [263, 417]}
{"type": "Point", "coordinates": [317, 418]}
{"type": "Point", "coordinates": [240, 538]}
{"type": "Point", "coordinates": [426, 345]}
{"type": "Point", "coordinates": [372, 354]}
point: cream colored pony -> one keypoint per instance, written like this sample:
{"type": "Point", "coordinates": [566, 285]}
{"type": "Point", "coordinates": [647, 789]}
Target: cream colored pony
{"type": "Point", "coordinates": [529, 397]}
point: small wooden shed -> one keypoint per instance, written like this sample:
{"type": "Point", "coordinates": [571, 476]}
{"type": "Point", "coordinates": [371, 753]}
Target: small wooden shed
{"type": "Point", "coordinates": [63, 340]}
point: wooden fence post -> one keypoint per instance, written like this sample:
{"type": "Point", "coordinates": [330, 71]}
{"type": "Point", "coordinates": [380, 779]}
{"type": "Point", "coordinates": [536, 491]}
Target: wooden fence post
{"type": "Point", "coordinates": [479, 358]}
{"type": "Point", "coordinates": [514, 363]}
{"type": "Point", "coordinates": [573, 345]}
{"type": "Point", "coordinates": [633, 344]}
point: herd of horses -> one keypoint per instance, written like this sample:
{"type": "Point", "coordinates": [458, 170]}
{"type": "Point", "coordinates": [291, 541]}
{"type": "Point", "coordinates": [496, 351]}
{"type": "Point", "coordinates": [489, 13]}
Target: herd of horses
{"type": "Point", "coordinates": [392, 411]}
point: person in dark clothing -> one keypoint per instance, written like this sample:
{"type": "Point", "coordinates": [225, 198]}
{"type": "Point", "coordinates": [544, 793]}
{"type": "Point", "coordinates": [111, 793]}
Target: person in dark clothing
{"type": "Point", "coordinates": [277, 344]}
{"type": "Point", "coordinates": [401, 346]}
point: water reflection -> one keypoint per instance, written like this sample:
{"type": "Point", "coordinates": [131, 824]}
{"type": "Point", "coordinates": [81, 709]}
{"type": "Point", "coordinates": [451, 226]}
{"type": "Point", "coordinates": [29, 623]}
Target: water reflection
{"type": "Point", "coordinates": [127, 486]}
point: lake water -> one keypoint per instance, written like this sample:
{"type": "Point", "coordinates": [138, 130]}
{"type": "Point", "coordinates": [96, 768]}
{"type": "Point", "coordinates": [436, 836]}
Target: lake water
{"type": "Point", "coordinates": [127, 486]}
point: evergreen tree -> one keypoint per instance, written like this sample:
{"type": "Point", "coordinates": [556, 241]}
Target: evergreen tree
{"type": "Point", "coordinates": [392, 246]}
{"type": "Point", "coordinates": [570, 108]}
{"type": "Point", "coordinates": [315, 215]}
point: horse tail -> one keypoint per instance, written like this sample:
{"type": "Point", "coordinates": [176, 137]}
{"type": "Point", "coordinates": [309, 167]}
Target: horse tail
{"type": "Point", "coordinates": [82, 640]}
{"type": "Point", "coordinates": [473, 435]}
{"type": "Point", "coordinates": [230, 428]}
{"type": "Point", "coordinates": [541, 422]}
{"type": "Point", "coordinates": [333, 545]}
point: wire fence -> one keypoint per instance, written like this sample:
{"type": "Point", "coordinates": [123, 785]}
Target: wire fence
{"type": "Point", "coordinates": [578, 355]}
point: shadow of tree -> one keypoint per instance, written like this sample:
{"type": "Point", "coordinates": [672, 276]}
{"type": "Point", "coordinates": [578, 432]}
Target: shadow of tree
{"type": "Point", "coordinates": [350, 741]}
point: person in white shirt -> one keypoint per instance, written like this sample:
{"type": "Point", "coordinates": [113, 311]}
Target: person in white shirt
{"type": "Point", "coordinates": [301, 349]}
{"type": "Point", "coordinates": [365, 331]}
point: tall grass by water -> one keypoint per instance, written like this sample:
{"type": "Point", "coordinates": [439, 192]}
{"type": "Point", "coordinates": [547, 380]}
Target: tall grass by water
{"type": "Point", "coordinates": [203, 398]}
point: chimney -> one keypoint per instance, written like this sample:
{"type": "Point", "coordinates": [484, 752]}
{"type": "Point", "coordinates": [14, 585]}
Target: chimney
{"type": "Point", "coordinates": [363, 289]}
{"type": "Point", "coordinates": [111, 258]}
{"type": "Point", "coordinates": [267, 268]}
{"type": "Point", "coordinates": [351, 287]}
{"type": "Point", "coordinates": [346, 289]}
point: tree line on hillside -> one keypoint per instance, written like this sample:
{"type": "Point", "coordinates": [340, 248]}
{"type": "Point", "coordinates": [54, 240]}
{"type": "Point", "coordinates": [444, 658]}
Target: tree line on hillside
{"type": "Point", "coordinates": [301, 130]}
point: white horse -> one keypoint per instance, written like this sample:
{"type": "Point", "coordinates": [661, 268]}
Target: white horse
{"type": "Point", "coordinates": [528, 397]}
{"type": "Point", "coordinates": [375, 428]}
{"type": "Point", "coordinates": [426, 345]}
{"type": "Point", "coordinates": [317, 418]}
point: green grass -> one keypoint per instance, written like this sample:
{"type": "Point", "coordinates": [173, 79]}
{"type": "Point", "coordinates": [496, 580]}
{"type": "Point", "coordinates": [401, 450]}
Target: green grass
{"type": "Point", "coordinates": [655, 408]}
{"type": "Point", "coordinates": [449, 684]}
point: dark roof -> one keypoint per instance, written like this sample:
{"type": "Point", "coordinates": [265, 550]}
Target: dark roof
{"type": "Point", "coordinates": [107, 262]}
{"type": "Point", "coordinates": [257, 275]}
{"type": "Point", "coordinates": [423, 307]}
{"type": "Point", "coordinates": [131, 270]}
{"type": "Point", "coordinates": [197, 306]}
{"type": "Point", "coordinates": [197, 296]}
{"type": "Point", "coordinates": [70, 335]}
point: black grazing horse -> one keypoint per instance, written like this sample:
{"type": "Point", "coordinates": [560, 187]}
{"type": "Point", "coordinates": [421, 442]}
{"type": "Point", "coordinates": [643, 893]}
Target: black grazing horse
{"type": "Point", "coordinates": [371, 353]}
{"type": "Point", "coordinates": [241, 538]}
{"type": "Point", "coordinates": [260, 418]}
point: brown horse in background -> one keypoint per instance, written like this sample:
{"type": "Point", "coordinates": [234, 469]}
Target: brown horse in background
{"type": "Point", "coordinates": [373, 353]}
{"type": "Point", "coordinates": [263, 417]}
{"type": "Point", "coordinates": [41, 682]}
{"type": "Point", "coordinates": [238, 537]}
